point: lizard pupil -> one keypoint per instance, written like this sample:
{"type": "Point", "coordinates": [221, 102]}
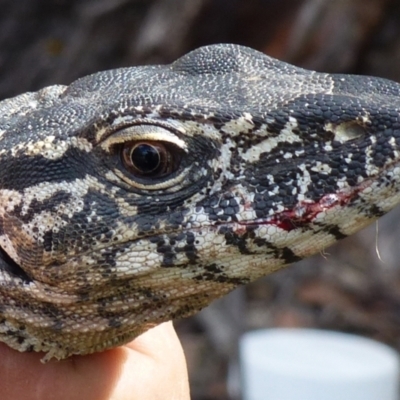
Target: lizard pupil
{"type": "Point", "coordinates": [151, 159]}
{"type": "Point", "coordinates": [145, 158]}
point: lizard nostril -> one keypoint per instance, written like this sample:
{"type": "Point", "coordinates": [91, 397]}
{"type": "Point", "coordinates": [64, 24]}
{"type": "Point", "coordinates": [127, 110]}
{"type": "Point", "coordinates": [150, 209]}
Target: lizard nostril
{"type": "Point", "coordinates": [346, 131]}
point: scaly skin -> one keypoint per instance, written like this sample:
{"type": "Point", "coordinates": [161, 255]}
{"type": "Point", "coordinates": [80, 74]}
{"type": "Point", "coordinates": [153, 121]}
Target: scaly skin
{"type": "Point", "coordinates": [139, 195]}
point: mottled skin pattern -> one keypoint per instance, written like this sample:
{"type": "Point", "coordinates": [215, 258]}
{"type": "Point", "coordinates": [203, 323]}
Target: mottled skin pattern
{"type": "Point", "coordinates": [265, 164]}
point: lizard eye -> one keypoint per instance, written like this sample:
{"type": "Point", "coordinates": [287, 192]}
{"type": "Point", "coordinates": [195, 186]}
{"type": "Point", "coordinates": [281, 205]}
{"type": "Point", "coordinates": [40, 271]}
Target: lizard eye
{"type": "Point", "coordinates": [147, 156]}
{"type": "Point", "coordinates": [150, 158]}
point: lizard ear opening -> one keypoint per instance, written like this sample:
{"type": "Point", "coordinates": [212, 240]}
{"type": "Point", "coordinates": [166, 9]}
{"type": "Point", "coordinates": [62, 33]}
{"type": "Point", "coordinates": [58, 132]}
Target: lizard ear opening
{"type": "Point", "coordinates": [11, 268]}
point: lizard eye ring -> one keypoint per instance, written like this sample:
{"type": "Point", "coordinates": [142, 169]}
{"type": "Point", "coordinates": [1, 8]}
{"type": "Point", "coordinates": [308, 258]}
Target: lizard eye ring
{"type": "Point", "coordinates": [147, 156]}
{"type": "Point", "coordinates": [150, 159]}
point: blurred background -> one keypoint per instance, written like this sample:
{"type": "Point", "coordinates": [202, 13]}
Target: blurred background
{"type": "Point", "coordinates": [353, 286]}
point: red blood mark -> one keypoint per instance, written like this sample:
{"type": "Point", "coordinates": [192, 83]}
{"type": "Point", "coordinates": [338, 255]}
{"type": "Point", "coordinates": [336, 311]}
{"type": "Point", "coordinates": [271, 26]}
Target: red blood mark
{"type": "Point", "coordinates": [247, 205]}
{"type": "Point", "coordinates": [304, 212]}
{"type": "Point", "coordinates": [240, 229]}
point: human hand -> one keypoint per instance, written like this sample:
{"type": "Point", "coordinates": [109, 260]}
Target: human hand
{"type": "Point", "coordinates": [151, 367]}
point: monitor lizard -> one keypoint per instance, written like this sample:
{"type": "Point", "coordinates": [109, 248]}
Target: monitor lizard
{"type": "Point", "coordinates": [139, 195]}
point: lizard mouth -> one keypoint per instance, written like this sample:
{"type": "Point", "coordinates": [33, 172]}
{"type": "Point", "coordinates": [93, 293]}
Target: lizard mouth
{"type": "Point", "coordinates": [306, 212]}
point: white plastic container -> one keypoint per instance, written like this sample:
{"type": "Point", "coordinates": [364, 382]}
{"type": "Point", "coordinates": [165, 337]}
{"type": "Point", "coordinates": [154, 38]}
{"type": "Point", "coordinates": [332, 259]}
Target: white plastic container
{"type": "Point", "coordinates": [306, 364]}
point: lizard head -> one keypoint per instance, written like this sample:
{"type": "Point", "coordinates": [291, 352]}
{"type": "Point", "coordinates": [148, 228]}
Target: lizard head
{"type": "Point", "coordinates": [138, 195]}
